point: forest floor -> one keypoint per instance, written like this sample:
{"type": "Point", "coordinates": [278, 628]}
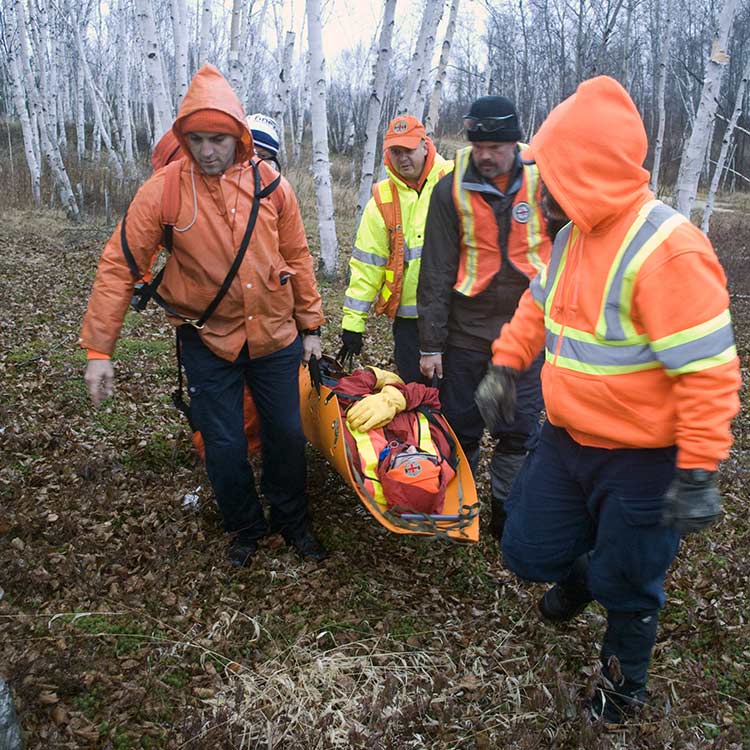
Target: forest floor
{"type": "Point", "coordinates": [122, 627]}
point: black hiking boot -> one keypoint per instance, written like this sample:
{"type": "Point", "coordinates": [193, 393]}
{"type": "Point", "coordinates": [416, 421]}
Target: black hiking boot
{"type": "Point", "coordinates": [307, 545]}
{"type": "Point", "coordinates": [558, 605]}
{"type": "Point", "coordinates": [614, 704]}
{"type": "Point", "coordinates": [241, 552]}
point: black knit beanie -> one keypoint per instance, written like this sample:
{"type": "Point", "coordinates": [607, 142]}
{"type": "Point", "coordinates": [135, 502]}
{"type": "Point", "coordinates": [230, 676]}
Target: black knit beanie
{"type": "Point", "coordinates": [495, 106]}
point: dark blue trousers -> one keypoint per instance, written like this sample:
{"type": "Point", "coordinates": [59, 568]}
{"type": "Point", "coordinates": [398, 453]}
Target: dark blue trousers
{"type": "Point", "coordinates": [406, 349]}
{"type": "Point", "coordinates": [216, 402]}
{"type": "Point", "coordinates": [594, 515]}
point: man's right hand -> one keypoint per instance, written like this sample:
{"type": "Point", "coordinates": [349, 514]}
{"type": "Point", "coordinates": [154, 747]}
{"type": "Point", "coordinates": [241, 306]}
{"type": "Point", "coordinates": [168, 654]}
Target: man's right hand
{"type": "Point", "coordinates": [431, 365]}
{"type": "Point", "coordinates": [100, 379]}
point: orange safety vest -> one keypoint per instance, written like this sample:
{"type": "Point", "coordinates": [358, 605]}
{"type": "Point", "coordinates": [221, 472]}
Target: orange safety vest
{"type": "Point", "coordinates": [529, 245]}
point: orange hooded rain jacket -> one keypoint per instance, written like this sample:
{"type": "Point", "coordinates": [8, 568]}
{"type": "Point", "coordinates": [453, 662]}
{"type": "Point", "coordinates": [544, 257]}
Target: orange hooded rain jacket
{"type": "Point", "coordinates": [632, 308]}
{"type": "Point", "coordinates": [274, 294]}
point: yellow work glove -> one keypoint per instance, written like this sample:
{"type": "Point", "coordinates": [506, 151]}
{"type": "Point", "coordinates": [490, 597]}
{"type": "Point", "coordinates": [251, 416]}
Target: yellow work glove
{"type": "Point", "coordinates": [383, 378]}
{"type": "Point", "coordinates": [376, 410]}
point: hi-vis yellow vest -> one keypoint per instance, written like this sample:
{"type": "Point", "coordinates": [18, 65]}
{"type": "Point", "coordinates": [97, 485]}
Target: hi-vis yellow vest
{"type": "Point", "coordinates": [616, 347]}
{"type": "Point", "coordinates": [528, 243]}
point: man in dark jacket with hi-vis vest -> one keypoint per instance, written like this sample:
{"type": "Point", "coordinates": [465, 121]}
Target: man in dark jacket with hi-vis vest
{"type": "Point", "coordinates": [485, 239]}
{"type": "Point", "coordinates": [384, 267]}
{"type": "Point", "coordinates": [640, 387]}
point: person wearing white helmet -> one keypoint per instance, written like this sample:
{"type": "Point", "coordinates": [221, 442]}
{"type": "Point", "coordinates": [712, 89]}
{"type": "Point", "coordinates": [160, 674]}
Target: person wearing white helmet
{"type": "Point", "coordinates": [265, 132]}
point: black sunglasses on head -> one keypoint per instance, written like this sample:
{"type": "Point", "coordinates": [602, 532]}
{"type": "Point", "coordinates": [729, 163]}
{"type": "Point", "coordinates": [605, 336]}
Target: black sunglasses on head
{"type": "Point", "coordinates": [487, 124]}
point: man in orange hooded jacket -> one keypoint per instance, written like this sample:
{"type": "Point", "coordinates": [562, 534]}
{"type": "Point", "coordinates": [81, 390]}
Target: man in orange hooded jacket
{"type": "Point", "coordinates": [640, 385]}
{"type": "Point", "coordinates": [266, 323]}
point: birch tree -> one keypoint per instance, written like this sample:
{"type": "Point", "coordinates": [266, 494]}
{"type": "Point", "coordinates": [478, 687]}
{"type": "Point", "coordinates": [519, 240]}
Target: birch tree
{"type": "Point", "coordinates": [235, 65]}
{"type": "Point", "coordinates": [695, 152]}
{"type": "Point", "coordinates": [179, 32]}
{"type": "Point", "coordinates": [205, 32]}
{"type": "Point", "coordinates": [375, 106]}
{"type": "Point", "coordinates": [321, 164]}
{"type": "Point", "coordinates": [725, 143]}
{"type": "Point", "coordinates": [433, 112]}
{"type": "Point", "coordinates": [283, 90]}
{"type": "Point", "coordinates": [421, 57]}
{"type": "Point", "coordinates": [163, 113]}
{"type": "Point", "coordinates": [665, 21]}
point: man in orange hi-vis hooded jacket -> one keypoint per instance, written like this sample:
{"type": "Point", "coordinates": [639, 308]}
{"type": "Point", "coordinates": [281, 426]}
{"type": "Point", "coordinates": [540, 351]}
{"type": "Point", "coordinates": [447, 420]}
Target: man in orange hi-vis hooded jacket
{"type": "Point", "coordinates": [266, 322]}
{"type": "Point", "coordinates": [640, 384]}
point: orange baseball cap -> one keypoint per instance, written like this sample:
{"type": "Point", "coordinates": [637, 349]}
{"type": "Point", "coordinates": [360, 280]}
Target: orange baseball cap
{"type": "Point", "coordinates": [405, 131]}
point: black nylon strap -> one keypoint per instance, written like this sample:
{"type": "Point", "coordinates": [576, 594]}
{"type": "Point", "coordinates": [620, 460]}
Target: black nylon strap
{"type": "Point", "coordinates": [149, 291]}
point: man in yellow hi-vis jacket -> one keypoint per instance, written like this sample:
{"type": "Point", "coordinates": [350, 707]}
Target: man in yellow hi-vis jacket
{"type": "Point", "coordinates": [385, 262]}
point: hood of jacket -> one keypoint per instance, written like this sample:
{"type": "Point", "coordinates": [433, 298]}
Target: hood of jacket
{"type": "Point", "coordinates": [210, 90]}
{"type": "Point", "coordinates": [590, 151]}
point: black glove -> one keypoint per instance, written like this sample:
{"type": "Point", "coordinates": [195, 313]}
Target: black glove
{"type": "Point", "coordinates": [692, 501]}
{"type": "Point", "coordinates": [496, 396]}
{"type": "Point", "coordinates": [352, 342]}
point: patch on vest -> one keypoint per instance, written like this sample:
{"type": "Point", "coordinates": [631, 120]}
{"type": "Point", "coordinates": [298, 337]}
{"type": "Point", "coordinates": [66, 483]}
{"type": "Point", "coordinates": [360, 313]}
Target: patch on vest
{"type": "Point", "coordinates": [400, 127]}
{"type": "Point", "coordinates": [521, 212]}
{"type": "Point", "coordinates": [412, 468]}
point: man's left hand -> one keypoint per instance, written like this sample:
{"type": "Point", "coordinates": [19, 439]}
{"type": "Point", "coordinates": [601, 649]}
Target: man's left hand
{"type": "Point", "coordinates": [692, 501]}
{"type": "Point", "coordinates": [310, 347]}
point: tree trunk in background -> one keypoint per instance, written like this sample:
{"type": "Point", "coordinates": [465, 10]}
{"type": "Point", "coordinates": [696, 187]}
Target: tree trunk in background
{"type": "Point", "coordinates": [19, 101]}
{"type": "Point", "coordinates": [422, 93]}
{"type": "Point", "coordinates": [375, 107]}
{"type": "Point", "coordinates": [695, 151]}
{"type": "Point", "coordinates": [725, 143]}
{"type": "Point", "coordinates": [179, 31]}
{"type": "Point", "coordinates": [283, 92]}
{"type": "Point", "coordinates": [329, 249]}
{"type": "Point", "coordinates": [661, 85]}
{"type": "Point", "coordinates": [152, 49]}
{"type": "Point", "coordinates": [433, 114]}
{"type": "Point", "coordinates": [419, 59]}
{"type": "Point", "coordinates": [123, 100]}
{"type": "Point", "coordinates": [49, 145]}
{"type": "Point", "coordinates": [205, 32]}
{"type": "Point", "coordinates": [80, 113]}
{"type": "Point", "coordinates": [94, 97]}
{"type": "Point", "coordinates": [235, 66]}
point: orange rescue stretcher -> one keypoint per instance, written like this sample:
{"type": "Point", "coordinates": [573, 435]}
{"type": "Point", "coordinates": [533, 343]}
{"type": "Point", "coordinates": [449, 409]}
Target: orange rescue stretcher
{"type": "Point", "coordinates": [324, 427]}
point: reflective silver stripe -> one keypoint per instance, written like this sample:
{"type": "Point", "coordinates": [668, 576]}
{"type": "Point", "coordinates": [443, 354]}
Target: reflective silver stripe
{"type": "Point", "coordinates": [558, 250]}
{"type": "Point", "coordinates": [537, 290]}
{"type": "Point", "coordinates": [412, 253]}
{"type": "Point", "coordinates": [600, 354]}
{"type": "Point", "coordinates": [357, 304]}
{"type": "Point", "coordinates": [656, 217]}
{"type": "Point", "coordinates": [711, 345]}
{"type": "Point", "coordinates": [407, 311]}
{"type": "Point", "coordinates": [372, 259]}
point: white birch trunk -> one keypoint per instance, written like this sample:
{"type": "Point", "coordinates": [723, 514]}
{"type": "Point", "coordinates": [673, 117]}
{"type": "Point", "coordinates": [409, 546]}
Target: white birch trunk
{"type": "Point", "coordinates": [49, 145]}
{"type": "Point", "coordinates": [422, 93]}
{"type": "Point", "coordinates": [123, 98]}
{"type": "Point", "coordinates": [152, 50]}
{"type": "Point", "coordinates": [179, 32]}
{"type": "Point", "coordinates": [205, 33]}
{"type": "Point", "coordinates": [303, 104]}
{"type": "Point", "coordinates": [321, 164]}
{"type": "Point", "coordinates": [283, 91]}
{"type": "Point", "coordinates": [725, 144]}
{"type": "Point", "coordinates": [235, 66]}
{"type": "Point", "coordinates": [29, 136]}
{"type": "Point", "coordinates": [375, 107]}
{"type": "Point", "coordinates": [95, 96]}
{"type": "Point", "coordinates": [661, 85]}
{"type": "Point", "coordinates": [695, 151]}
{"type": "Point", "coordinates": [80, 113]}
{"type": "Point", "coordinates": [433, 114]}
{"type": "Point", "coordinates": [432, 11]}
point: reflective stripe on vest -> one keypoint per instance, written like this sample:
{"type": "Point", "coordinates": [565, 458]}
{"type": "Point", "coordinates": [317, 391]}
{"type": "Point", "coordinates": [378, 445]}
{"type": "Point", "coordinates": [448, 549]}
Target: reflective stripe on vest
{"type": "Point", "coordinates": [616, 347]}
{"type": "Point", "coordinates": [370, 444]}
{"type": "Point", "coordinates": [480, 254]}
